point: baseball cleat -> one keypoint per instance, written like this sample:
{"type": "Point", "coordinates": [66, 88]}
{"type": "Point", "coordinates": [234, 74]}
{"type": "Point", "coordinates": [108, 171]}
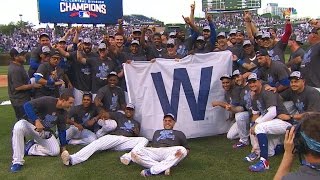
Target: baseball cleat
{"type": "Point", "coordinates": [251, 157]}
{"type": "Point", "coordinates": [239, 145]}
{"type": "Point", "coordinates": [65, 156]}
{"type": "Point", "coordinates": [27, 146]}
{"type": "Point", "coordinates": [146, 173]}
{"type": "Point", "coordinates": [16, 168]}
{"type": "Point", "coordinates": [124, 161]}
{"type": "Point", "coordinates": [167, 172]}
{"type": "Point", "coordinates": [260, 166]}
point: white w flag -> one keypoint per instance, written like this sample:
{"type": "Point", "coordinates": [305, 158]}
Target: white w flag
{"type": "Point", "coordinates": [185, 88]}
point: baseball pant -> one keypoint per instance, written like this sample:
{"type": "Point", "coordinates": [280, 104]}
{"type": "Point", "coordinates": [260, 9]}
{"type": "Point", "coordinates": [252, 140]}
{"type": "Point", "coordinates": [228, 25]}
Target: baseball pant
{"type": "Point", "coordinates": [114, 142]}
{"type": "Point", "coordinates": [84, 137]}
{"type": "Point", "coordinates": [274, 129]}
{"type": "Point", "coordinates": [240, 129]}
{"type": "Point", "coordinates": [158, 159]}
{"type": "Point", "coordinates": [106, 127]}
{"type": "Point", "coordinates": [43, 147]}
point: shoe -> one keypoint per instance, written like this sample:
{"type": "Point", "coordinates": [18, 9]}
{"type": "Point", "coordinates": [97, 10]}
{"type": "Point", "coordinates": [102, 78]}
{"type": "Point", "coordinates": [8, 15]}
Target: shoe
{"type": "Point", "coordinates": [146, 173]}
{"type": "Point", "coordinates": [65, 156]}
{"type": "Point", "coordinates": [15, 168]}
{"type": "Point", "coordinates": [124, 161]}
{"type": "Point", "coordinates": [167, 172]}
{"type": "Point", "coordinates": [27, 147]}
{"type": "Point", "coordinates": [279, 149]}
{"type": "Point", "coordinates": [239, 145]}
{"type": "Point", "coordinates": [260, 166]}
{"type": "Point", "coordinates": [251, 157]}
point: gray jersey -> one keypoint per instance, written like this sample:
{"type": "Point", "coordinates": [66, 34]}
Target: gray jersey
{"type": "Point", "coordinates": [17, 76]}
{"type": "Point", "coordinates": [249, 60]}
{"type": "Point", "coordinates": [277, 52]}
{"type": "Point", "coordinates": [168, 138]}
{"type": "Point", "coordinates": [100, 69]}
{"type": "Point", "coordinates": [306, 101]}
{"type": "Point", "coordinates": [265, 99]}
{"type": "Point", "coordinates": [303, 172]}
{"type": "Point", "coordinates": [135, 57]}
{"type": "Point", "coordinates": [45, 70]}
{"type": "Point", "coordinates": [154, 52]}
{"type": "Point", "coordinates": [276, 74]}
{"type": "Point", "coordinates": [82, 115]}
{"type": "Point", "coordinates": [81, 72]}
{"type": "Point", "coordinates": [112, 98]}
{"type": "Point", "coordinates": [46, 110]}
{"type": "Point", "coordinates": [233, 96]}
{"type": "Point", "coordinates": [310, 66]}
{"type": "Point", "coordinates": [298, 53]}
{"type": "Point", "coordinates": [245, 98]}
{"type": "Point", "coordinates": [125, 126]}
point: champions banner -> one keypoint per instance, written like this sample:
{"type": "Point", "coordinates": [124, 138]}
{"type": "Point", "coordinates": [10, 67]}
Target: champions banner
{"type": "Point", "coordinates": [80, 11]}
{"type": "Point", "coordinates": [185, 88]}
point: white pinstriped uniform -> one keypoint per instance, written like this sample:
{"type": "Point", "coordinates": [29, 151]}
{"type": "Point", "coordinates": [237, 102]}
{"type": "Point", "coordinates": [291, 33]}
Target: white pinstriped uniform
{"type": "Point", "coordinates": [75, 136]}
{"type": "Point", "coordinates": [158, 159]}
{"type": "Point", "coordinates": [240, 128]}
{"type": "Point", "coordinates": [114, 142]}
{"type": "Point", "coordinates": [44, 147]}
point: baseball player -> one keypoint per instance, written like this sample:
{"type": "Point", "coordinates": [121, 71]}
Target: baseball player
{"type": "Point", "coordinates": [18, 82]}
{"type": "Point", "coordinates": [87, 122]}
{"type": "Point", "coordinates": [121, 139]}
{"type": "Point", "coordinates": [169, 147]}
{"type": "Point", "coordinates": [43, 114]}
{"type": "Point", "coordinates": [240, 129]}
{"type": "Point", "coordinates": [49, 75]}
{"type": "Point", "coordinates": [111, 97]}
{"type": "Point", "coordinates": [267, 109]}
{"type": "Point", "coordinates": [305, 98]}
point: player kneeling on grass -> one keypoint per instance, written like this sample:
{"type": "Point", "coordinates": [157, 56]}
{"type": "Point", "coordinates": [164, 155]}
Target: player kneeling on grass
{"type": "Point", "coordinates": [123, 138]}
{"type": "Point", "coordinates": [169, 147]}
{"type": "Point", "coordinates": [303, 139]}
{"type": "Point", "coordinates": [43, 114]}
{"type": "Point", "coordinates": [270, 120]}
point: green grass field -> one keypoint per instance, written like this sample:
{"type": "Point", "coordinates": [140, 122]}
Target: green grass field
{"type": "Point", "coordinates": [209, 158]}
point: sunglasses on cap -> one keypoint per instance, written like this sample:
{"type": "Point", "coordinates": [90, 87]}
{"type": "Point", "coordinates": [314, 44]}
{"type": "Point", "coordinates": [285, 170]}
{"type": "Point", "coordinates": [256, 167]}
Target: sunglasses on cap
{"type": "Point", "coordinates": [170, 46]}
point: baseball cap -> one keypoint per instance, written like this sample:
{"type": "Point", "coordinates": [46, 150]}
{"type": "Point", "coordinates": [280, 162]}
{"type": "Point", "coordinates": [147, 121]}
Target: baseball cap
{"type": "Point", "coordinates": [170, 41]}
{"type": "Point", "coordinates": [240, 31]}
{"type": "Point", "coordinates": [130, 106]}
{"type": "Point", "coordinates": [225, 76]}
{"type": "Point", "coordinates": [200, 38]}
{"type": "Point", "coordinates": [296, 38]}
{"type": "Point", "coordinates": [246, 42]}
{"type": "Point", "coordinates": [62, 40]}
{"type": "Point", "coordinates": [16, 51]}
{"type": "Point", "coordinates": [206, 28]}
{"type": "Point", "coordinates": [44, 35]}
{"type": "Point", "coordinates": [135, 42]}
{"type": "Point", "coordinates": [259, 33]}
{"type": "Point", "coordinates": [233, 31]}
{"type": "Point", "coordinates": [266, 35]}
{"type": "Point", "coordinates": [55, 53]}
{"type": "Point", "coordinates": [221, 34]}
{"type": "Point", "coordinates": [169, 115]}
{"type": "Point", "coordinates": [236, 73]}
{"type": "Point", "coordinates": [87, 40]}
{"type": "Point", "coordinates": [172, 34]}
{"type": "Point", "coordinates": [112, 73]}
{"type": "Point", "coordinates": [45, 50]}
{"type": "Point", "coordinates": [136, 30]}
{"type": "Point", "coordinates": [252, 77]}
{"type": "Point", "coordinates": [296, 75]}
{"type": "Point", "coordinates": [262, 52]}
{"type": "Point", "coordinates": [102, 46]}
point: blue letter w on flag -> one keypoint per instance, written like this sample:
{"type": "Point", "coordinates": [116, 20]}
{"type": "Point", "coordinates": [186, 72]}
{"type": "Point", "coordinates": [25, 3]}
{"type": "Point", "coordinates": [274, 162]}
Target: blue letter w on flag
{"type": "Point", "coordinates": [181, 77]}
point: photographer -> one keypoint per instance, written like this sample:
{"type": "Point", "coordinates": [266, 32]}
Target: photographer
{"type": "Point", "coordinates": [305, 140]}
